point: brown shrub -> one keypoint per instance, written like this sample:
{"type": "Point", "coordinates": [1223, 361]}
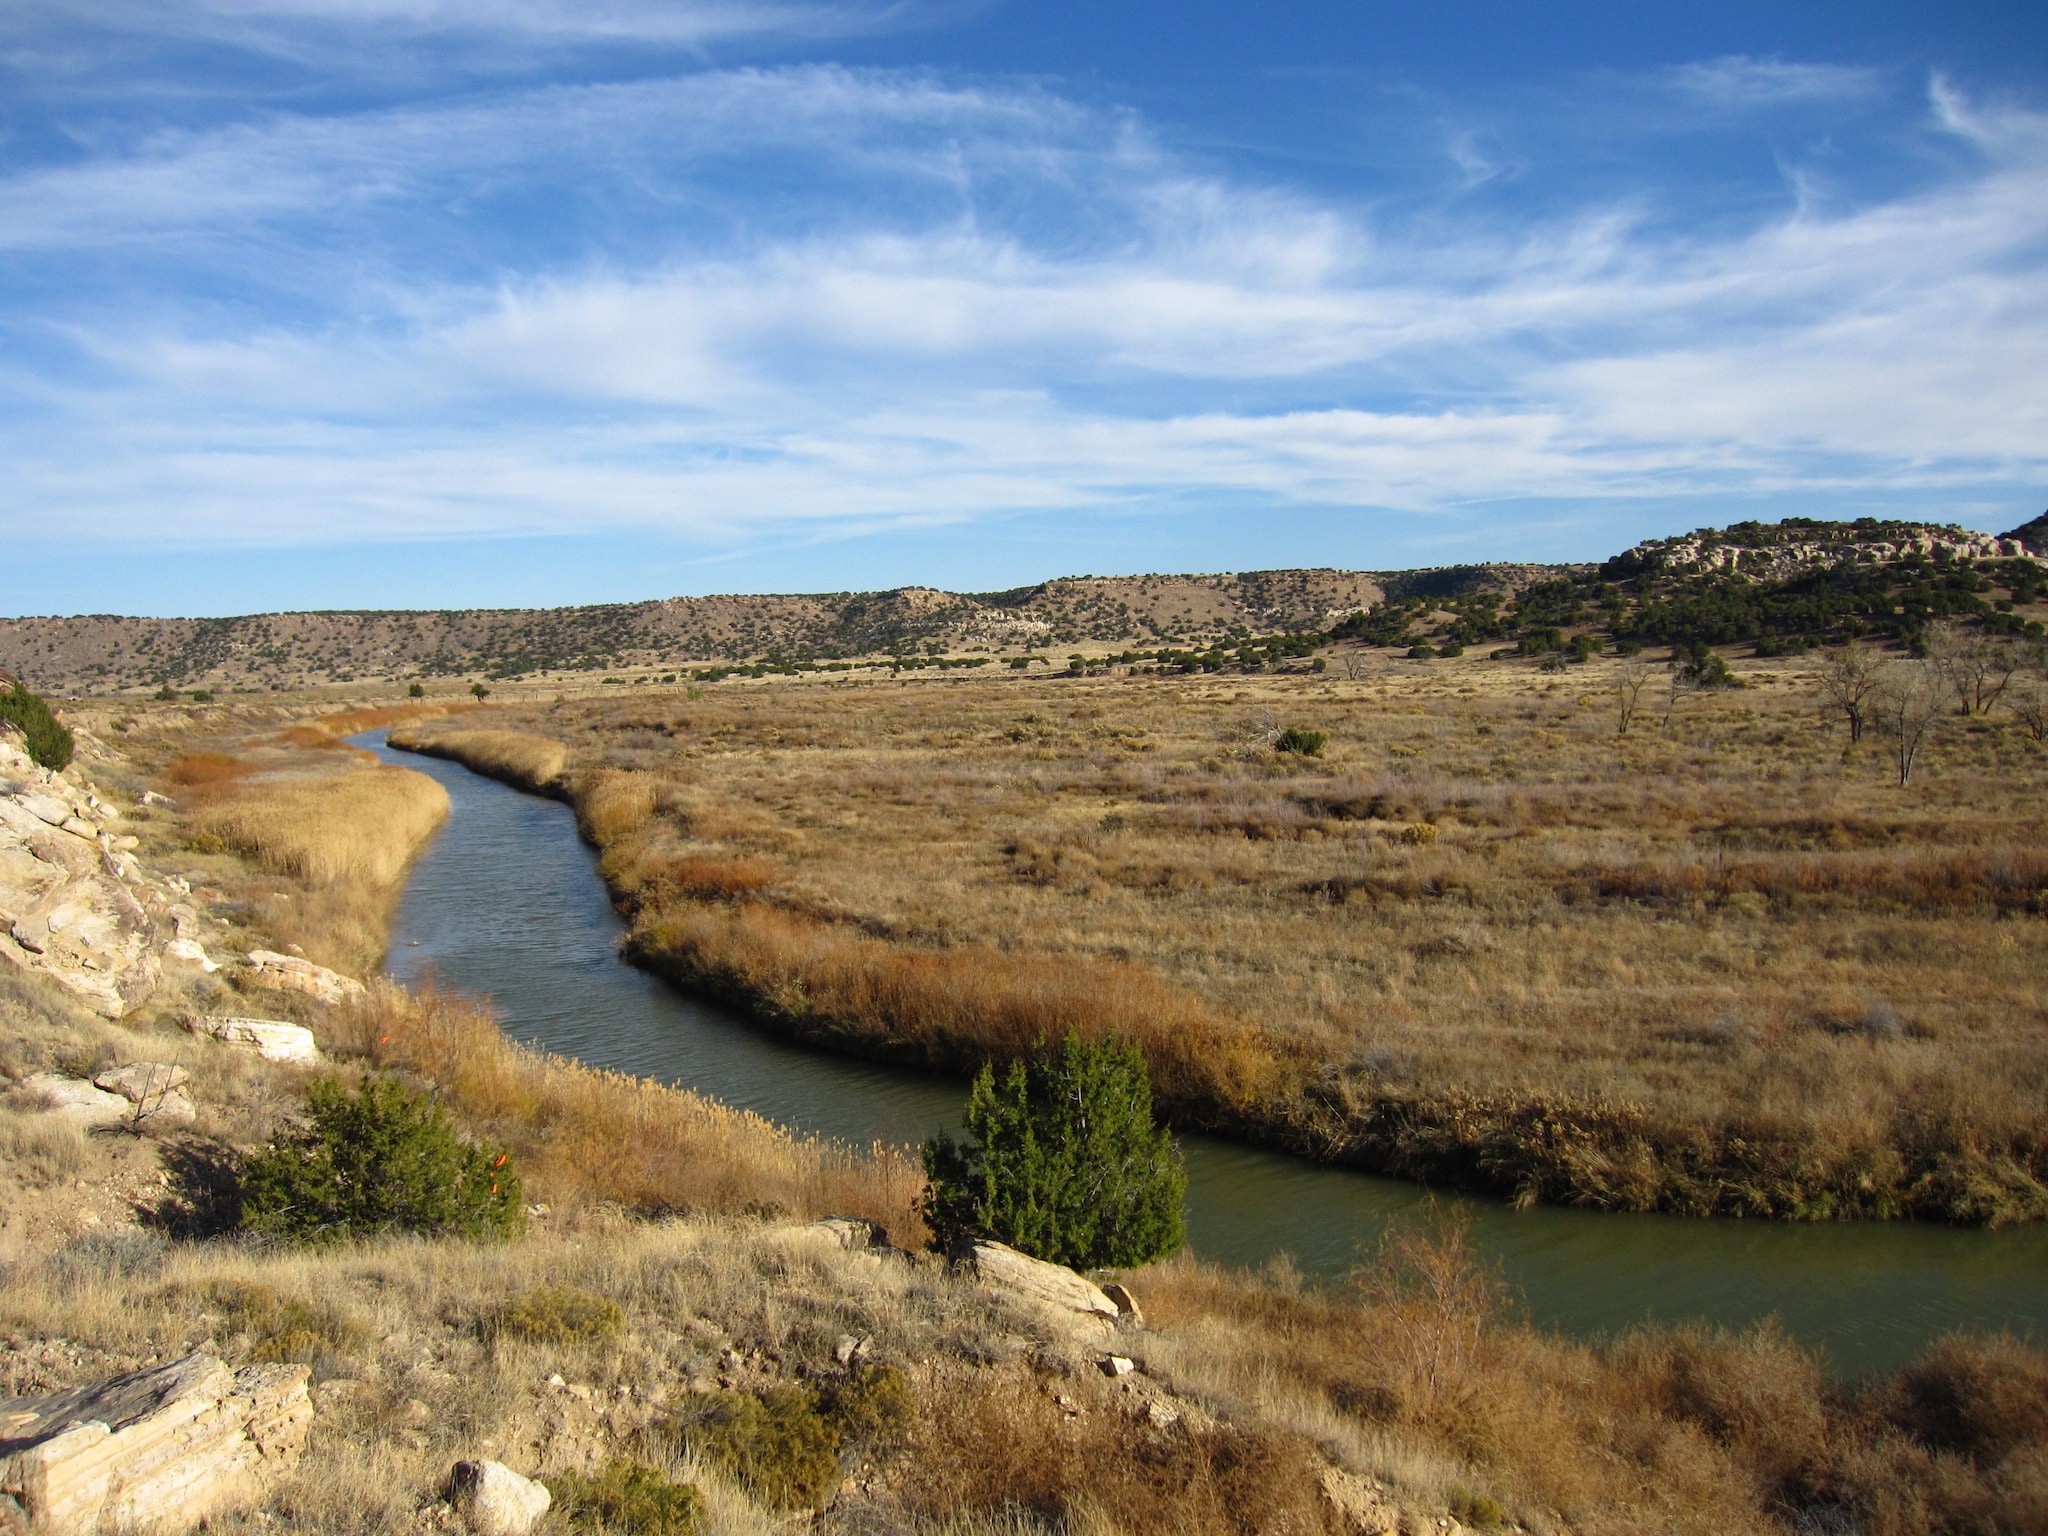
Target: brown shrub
{"type": "Point", "coordinates": [1001, 1443]}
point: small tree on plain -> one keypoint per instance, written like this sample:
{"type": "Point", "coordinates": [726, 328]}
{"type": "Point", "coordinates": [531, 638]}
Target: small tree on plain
{"type": "Point", "coordinates": [1911, 700]}
{"type": "Point", "coordinates": [1848, 686]}
{"type": "Point", "coordinates": [1062, 1161]}
{"type": "Point", "coordinates": [1976, 667]}
{"type": "Point", "coordinates": [480, 691]}
{"type": "Point", "coordinates": [1630, 679]}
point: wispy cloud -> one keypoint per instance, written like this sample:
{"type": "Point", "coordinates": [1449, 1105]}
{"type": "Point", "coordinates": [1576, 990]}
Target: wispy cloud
{"type": "Point", "coordinates": [817, 298]}
{"type": "Point", "coordinates": [1738, 81]}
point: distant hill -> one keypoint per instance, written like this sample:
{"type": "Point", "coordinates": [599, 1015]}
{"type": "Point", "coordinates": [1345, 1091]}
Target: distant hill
{"type": "Point", "coordinates": [1781, 586]}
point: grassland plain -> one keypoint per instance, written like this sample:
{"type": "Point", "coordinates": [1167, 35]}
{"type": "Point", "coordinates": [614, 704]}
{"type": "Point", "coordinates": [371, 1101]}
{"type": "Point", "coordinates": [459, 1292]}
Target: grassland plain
{"type": "Point", "coordinates": [1715, 965]}
{"type": "Point", "coordinates": [666, 1283]}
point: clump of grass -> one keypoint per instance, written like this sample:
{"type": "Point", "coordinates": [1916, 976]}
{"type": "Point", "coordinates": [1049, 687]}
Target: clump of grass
{"type": "Point", "coordinates": [1300, 742]}
{"type": "Point", "coordinates": [775, 1442]}
{"type": "Point", "coordinates": [628, 1496]}
{"type": "Point", "coordinates": [284, 1328]}
{"type": "Point", "coordinates": [557, 1314]}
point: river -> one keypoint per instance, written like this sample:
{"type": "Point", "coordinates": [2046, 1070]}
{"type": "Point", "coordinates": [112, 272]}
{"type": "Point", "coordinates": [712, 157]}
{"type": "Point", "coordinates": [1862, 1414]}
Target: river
{"type": "Point", "coordinates": [506, 904]}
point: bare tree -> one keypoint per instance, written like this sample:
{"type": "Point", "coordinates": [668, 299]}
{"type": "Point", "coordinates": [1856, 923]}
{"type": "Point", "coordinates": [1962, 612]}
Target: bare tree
{"type": "Point", "coordinates": [1629, 682]}
{"type": "Point", "coordinates": [1848, 684]}
{"type": "Point", "coordinates": [1976, 667]}
{"type": "Point", "coordinates": [1912, 697]}
{"type": "Point", "coordinates": [1684, 680]}
{"type": "Point", "coordinates": [2030, 703]}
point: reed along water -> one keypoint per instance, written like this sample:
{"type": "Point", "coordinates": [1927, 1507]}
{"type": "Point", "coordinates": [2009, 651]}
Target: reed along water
{"type": "Point", "coordinates": [507, 904]}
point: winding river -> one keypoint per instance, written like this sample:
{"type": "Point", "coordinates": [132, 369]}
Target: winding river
{"type": "Point", "coordinates": [507, 904]}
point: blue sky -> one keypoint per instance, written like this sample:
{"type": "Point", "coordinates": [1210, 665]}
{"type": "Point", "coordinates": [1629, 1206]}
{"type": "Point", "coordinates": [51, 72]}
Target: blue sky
{"type": "Point", "coordinates": [361, 303]}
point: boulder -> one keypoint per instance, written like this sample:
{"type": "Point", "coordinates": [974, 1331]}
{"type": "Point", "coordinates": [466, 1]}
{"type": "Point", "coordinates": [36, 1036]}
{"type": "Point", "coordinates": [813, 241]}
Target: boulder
{"type": "Point", "coordinates": [852, 1233]}
{"type": "Point", "coordinates": [1126, 1304]}
{"type": "Point", "coordinates": [191, 952]}
{"type": "Point", "coordinates": [1052, 1289]}
{"type": "Point", "coordinates": [161, 1448]}
{"type": "Point", "coordinates": [496, 1500]}
{"type": "Point", "coordinates": [291, 973]}
{"type": "Point", "coordinates": [75, 1099]}
{"type": "Point", "coordinates": [142, 1081]}
{"type": "Point", "coordinates": [272, 1039]}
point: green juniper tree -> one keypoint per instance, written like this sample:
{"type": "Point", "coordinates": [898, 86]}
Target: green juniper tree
{"type": "Point", "coordinates": [48, 742]}
{"type": "Point", "coordinates": [383, 1159]}
{"type": "Point", "coordinates": [1062, 1160]}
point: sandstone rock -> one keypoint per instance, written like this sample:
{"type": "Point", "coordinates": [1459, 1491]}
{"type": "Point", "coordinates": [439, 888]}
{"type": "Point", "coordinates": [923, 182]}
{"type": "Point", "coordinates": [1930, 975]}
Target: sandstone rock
{"type": "Point", "coordinates": [1118, 1365]}
{"type": "Point", "coordinates": [852, 1233]}
{"type": "Point", "coordinates": [496, 1500]}
{"type": "Point", "coordinates": [68, 913]}
{"type": "Point", "coordinates": [75, 1098]}
{"type": "Point", "coordinates": [191, 953]}
{"type": "Point", "coordinates": [290, 973]}
{"type": "Point", "coordinates": [159, 1448]}
{"type": "Point", "coordinates": [45, 808]}
{"type": "Point", "coordinates": [1052, 1289]}
{"type": "Point", "coordinates": [1126, 1304]}
{"type": "Point", "coordinates": [142, 1081]}
{"type": "Point", "coordinates": [272, 1039]}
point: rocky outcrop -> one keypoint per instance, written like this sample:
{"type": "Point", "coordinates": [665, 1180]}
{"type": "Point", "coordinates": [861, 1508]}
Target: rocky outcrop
{"type": "Point", "coordinates": [495, 1500]}
{"type": "Point", "coordinates": [161, 1448]}
{"type": "Point", "coordinates": [1052, 1290]}
{"type": "Point", "coordinates": [75, 902]}
{"type": "Point", "coordinates": [290, 973]}
{"type": "Point", "coordinates": [272, 1039]}
{"type": "Point", "coordinates": [74, 1098]}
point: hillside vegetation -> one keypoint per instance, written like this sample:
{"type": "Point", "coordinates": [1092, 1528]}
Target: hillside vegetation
{"type": "Point", "coordinates": [1787, 585]}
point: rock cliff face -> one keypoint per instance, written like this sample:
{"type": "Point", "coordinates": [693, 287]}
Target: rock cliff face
{"type": "Point", "coordinates": [74, 902]}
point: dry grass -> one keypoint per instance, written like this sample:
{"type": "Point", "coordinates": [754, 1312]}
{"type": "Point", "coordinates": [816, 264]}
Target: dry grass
{"type": "Point", "coordinates": [584, 1136]}
{"type": "Point", "coordinates": [362, 826]}
{"type": "Point", "coordinates": [517, 757]}
{"type": "Point", "coordinates": [1712, 966]}
{"type": "Point", "coordinates": [1417, 1372]}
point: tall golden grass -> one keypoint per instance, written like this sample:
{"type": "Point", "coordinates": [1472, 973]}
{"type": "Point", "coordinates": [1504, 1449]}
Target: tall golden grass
{"type": "Point", "coordinates": [518, 757]}
{"type": "Point", "coordinates": [1675, 1430]}
{"type": "Point", "coordinates": [583, 1135]}
{"type": "Point", "coordinates": [363, 825]}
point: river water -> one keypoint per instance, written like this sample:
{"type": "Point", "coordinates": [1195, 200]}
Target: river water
{"type": "Point", "coordinates": [506, 904]}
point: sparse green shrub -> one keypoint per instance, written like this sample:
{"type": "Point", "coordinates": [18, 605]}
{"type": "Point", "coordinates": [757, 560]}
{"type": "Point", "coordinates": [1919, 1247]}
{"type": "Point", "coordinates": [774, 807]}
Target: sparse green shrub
{"type": "Point", "coordinates": [557, 1314]}
{"type": "Point", "coordinates": [1422, 650]}
{"type": "Point", "coordinates": [202, 696]}
{"type": "Point", "coordinates": [870, 1404]}
{"type": "Point", "coordinates": [1476, 1509]}
{"type": "Point", "coordinates": [284, 1329]}
{"type": "Point", "coordinates": [382, 1159]}
{"type": "Point", "coordinates": [1302, 743]}
{"type": "Point", "coordinates": [166, 695]}
{"type": "Point", "coordinates": [48, 742]}
{"type": "Point", "coordinates": [481, 692]}
{"type": "Point", "coordinates": [777, 1443]}
{"type": "Point", "coordinates": [1062, 1161]}
{"type": "Point", "coordinates": [415, 692]}
{"type": "Point", "coordinates": [628, 1496]}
